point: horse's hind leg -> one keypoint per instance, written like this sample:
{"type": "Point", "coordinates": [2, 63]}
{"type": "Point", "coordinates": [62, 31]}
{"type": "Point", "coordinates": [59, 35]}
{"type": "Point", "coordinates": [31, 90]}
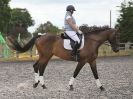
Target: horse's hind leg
{"type": "Point", "coordinates": [41, 71]}
{"type": "Point", "coordinates": [76, 72]}
{"type": "Point", "coordinates": [36, 67]}
{"type": "Point", "coordinates": [42, 66]}
{"type": "Point", "coordinates": [94, 71]}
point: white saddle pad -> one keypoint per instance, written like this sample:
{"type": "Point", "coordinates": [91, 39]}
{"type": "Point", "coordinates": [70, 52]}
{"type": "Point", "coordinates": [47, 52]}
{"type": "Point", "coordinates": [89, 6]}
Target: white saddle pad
{"type": "Point", "coordinates": [67, 44]}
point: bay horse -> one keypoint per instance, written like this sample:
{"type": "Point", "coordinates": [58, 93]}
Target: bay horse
{"type": "Point", "coordinates": [49, 45]}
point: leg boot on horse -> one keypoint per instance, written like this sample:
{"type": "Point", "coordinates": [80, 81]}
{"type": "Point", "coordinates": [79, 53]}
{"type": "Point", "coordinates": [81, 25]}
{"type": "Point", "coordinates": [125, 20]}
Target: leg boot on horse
{"type": "Point", "coordinates": [35, 66]}
{"type": "Point", "coordinates": [76, 72]}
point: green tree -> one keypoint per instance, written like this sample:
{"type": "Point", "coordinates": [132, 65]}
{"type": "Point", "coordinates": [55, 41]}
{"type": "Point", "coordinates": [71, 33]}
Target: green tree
{"type": "Point", "coordinates": [21, 17]}
{"type": "Point", "coordinates": [125, 22]}
{"type": "Point", "coordinates": [47, 27]}
{"type": "Point", "coordinates": [4, 15]}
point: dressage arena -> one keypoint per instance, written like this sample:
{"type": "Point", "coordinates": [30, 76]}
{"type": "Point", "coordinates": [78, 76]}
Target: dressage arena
{"type": "Point", "coordinates": [116, 75]}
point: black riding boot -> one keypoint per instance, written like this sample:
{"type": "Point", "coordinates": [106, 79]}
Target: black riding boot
{"type": "Point", "coordinates": [75, 53]}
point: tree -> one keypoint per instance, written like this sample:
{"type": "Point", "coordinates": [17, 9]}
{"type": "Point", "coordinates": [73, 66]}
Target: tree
{"type": "Point", "coordinates": [21, 17]}
{"type": "Point", "coordinates": [125, 22]}
{"type": "Point", "coordinates": [4, 15]}
{"type": "Point", "coordinates": [47, 27]}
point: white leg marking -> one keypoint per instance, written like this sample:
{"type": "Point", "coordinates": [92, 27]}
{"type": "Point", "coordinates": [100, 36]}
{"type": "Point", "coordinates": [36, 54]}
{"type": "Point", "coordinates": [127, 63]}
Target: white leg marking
{"type": "Point", "coordinates": [98, 83]}
{"type": "Point", "coordinates": [41, 80]}
{"type": "Point", "coordinates": [71, 81]}
{"type": "Point", "coordinates": [36, 77]}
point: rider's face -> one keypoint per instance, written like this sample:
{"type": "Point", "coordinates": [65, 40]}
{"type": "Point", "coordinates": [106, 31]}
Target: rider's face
{"type": "Point", "coordinates": [72, 11]}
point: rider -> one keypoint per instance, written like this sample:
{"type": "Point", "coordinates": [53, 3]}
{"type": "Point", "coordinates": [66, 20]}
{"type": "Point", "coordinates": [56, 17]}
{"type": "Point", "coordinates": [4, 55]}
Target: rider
{"type": "Point", "coordinates": [71, 29]}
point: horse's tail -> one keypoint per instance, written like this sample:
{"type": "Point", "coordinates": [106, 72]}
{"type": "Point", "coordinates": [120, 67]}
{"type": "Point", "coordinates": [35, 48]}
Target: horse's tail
{"type": "Point", "coordinates": [16, 46]}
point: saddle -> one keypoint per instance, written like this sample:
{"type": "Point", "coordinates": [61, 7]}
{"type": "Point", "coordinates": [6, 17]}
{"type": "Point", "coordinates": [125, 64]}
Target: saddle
{"type": "Point", "coordinates": [69, 43]}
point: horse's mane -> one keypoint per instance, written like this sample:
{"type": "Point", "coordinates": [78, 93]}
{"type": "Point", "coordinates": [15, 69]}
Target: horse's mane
{"type": "Point", "coordinates": [93, 29]}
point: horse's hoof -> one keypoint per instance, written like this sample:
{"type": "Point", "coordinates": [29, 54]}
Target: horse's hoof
{"type": "Point", "coordinates": [36, 84]}
{"type": "Point", "coordinates": [71, 88]}
{"type": "Point", "coordinates": [44, 87]}
{"type": "Point", "coordinates": [102, 88]}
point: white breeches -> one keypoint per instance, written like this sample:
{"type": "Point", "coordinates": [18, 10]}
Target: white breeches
{"type": "Point", "coordinates": [73, 35]}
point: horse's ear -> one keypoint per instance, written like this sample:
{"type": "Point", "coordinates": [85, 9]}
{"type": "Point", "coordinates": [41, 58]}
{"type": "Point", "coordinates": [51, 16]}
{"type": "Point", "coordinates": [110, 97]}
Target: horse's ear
{"type": "Point", "coordinates": [116, 31]}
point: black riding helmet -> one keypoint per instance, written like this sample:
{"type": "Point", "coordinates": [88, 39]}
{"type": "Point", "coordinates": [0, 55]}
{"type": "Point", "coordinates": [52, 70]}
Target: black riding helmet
{"type": "Point", "coordinates": [70, 8]}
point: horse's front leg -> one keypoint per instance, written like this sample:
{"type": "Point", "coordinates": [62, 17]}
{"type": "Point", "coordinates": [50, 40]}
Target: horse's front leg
{"type": "Point", "coordinates": [77, 70]}
{"type": "Point", "coordinates": [94, 71]}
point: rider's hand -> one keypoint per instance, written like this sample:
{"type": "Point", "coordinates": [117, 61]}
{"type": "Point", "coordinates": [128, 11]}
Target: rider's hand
{"type": "Point", "coordinates": [80, 32]}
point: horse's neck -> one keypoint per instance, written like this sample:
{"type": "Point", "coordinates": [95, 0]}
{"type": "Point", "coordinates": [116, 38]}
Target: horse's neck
{"type": "Point", "coordinates": [99, 38]}
{"type": "Point", "coordinates": [96, 40]}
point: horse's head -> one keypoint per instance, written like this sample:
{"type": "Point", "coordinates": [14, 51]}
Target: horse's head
{"type": "Point", "coordinates": [114, 40]}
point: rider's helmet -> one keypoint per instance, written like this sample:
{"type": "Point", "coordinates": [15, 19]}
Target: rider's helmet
{"type": "Point", "coordinates": [70, 8]}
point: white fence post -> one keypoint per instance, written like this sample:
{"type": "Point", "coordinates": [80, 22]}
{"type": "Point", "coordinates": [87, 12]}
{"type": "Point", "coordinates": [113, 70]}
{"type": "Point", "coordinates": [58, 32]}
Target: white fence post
{"type": "Point", "coordinates": [127, 46]}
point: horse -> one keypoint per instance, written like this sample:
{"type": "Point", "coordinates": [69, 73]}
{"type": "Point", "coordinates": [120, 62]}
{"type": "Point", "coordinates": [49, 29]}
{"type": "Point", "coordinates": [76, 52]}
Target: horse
{"type": "Point", "coordinates": [49, 45]}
